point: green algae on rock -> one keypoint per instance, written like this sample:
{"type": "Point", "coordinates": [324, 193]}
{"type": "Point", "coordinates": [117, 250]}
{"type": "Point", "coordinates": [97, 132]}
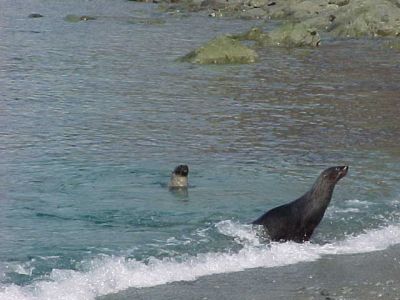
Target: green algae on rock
{"type": "Point", "coordinates": [367, 18]}
{"type": "Point", "coordinates": [295, 35]}
{"type": "Point", "coordinates": [222, 50]}
{"type": "Point", "coordinates": [288, 35]}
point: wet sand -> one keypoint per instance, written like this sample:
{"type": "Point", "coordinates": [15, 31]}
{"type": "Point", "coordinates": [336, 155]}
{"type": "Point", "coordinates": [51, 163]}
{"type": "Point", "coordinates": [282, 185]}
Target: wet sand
{"type": "Point", "coordinates": [374, 275]}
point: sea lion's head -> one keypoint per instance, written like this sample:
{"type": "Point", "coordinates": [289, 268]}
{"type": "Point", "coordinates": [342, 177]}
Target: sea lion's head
{"type": "Point", "coordinates": [181, 170]}
{"type": "Point", "coordinates": [325, 183]}
{"type": "Point", "coordinates": [179, 177]}
{"type": "Point", "coordinates": [334, 174]}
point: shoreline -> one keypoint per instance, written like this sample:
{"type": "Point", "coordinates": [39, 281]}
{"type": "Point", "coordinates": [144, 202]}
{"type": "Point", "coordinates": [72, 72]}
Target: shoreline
{"type": "Point", "coordinates": [300, 24]}
{"type": "Point", "coordinates": [373, 275]}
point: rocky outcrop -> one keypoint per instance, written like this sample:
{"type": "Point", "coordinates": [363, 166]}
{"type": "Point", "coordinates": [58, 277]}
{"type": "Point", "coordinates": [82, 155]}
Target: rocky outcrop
{"type": "Point", "coordinates": [287, 35]}
{"type": "Point", "coordinates": [229, 49]}
{"type": "Point", "coordinates": [341, 18]}
{"type": "Point", "coordinates": [366, 18]}
{"type": "Point", "coordinates": [345, 18]}
{"type": "Point", "coordinates": [222, 50]}
{"type": "Point", "coordinates": [307, 20]}
{"type": "Point", "coordinates": [295, 35]}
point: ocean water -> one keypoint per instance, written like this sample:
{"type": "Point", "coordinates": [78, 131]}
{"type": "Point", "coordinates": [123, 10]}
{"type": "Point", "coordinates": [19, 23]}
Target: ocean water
{"type": "Point", "coordinates": [94, 115]}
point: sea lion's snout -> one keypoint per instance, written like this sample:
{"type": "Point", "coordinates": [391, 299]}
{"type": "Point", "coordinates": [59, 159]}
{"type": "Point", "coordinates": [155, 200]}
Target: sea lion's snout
{"type": "Point", "coordinates": [182, 170]}
{"type": "Point", "coordinates": [334, 174]}
{"type": "Point", "coordinates": [342, 171]}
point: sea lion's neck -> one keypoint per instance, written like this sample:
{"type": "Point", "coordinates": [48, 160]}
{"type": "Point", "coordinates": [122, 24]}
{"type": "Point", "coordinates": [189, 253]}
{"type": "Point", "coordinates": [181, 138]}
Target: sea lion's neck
{"type": "Point", "coordinates": [321, 193]}
{"type": "Point", "coordinates": [178, 181]}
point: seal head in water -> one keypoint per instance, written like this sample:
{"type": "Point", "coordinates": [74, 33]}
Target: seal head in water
{"type": "Point", "coordinates": [297, 220]}
{"type": "Point", "coordinates": [179, 177]}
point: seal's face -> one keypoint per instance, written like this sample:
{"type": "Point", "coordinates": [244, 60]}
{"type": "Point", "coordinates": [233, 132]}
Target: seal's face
{"type": "Point", "coordinates": [179, 177]}
{"type": "Point", "coordinates": [181, 170]}
{"type": "Point", "coordinates": [334, 174]}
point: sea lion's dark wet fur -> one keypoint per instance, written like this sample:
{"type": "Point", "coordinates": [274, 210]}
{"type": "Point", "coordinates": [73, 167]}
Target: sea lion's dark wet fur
{"type": "Point", "coordinates": [179, 177]}
{"type": "Point", "coordinates": [297, 220]}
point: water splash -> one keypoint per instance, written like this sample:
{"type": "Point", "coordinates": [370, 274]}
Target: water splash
{"type": "Point", "coordinates": [111, 274]}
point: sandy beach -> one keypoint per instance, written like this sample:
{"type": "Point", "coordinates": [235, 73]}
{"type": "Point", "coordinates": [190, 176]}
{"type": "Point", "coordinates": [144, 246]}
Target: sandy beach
{"type": "Point", "coordinates": [374, 275]}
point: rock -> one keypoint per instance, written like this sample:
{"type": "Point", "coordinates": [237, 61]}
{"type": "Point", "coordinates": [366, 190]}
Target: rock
{"type": "Point", "coordinates": [323, 21]}
{"type": "Point", "coordinates": [297, 10]}
{"type": "Point", "coordinates": [339, 2]}
{"type": "Point", "coordinates": [145, 1]}
{"type": "Point", "coordinates": [324, 292]}
{"type": "Point", "coordinates": [87, 18]}
{"type": "Point", "coordinates": [221, 4]}
{"type": "Point", "coordinates": [34, 16]}
{"type": "Point", "coordinates": [256, 35]}
{"type": "Point", "coordinates": [358, 18]}
{"type": "Point", "coordinates": [295, 35]}
{"type": "Point", "coordinates": [212, 4]}
{"type": "Point", "coordinates": [222, 50]}
{"type": "Point", "coordinates": [362, 18]}
{"type": "Point", "coordinates": [307, 9]}
{"type": "Point", "coordinates": [74, 18]}
{"type": "Point", "coordinates": [309, 18]}
{"type": "Point", "coordinates": [396, 2]}
{"type": "Point", "coordinates": [278, 9]}
{"type": "Point", "coordinates": [288, 35]}
{"type": "Point", "coordinates": [253, 13]}
{"type": "Point", "coordinates": [258, 3]}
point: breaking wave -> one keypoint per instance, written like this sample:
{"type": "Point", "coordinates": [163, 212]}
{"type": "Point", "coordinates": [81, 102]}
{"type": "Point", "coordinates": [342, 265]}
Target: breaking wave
{"type": "Point", "coordinates": [110, 274]}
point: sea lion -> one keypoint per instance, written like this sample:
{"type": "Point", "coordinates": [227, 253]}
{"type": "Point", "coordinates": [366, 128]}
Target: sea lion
{"type": "Point", "coordinates": [179, 177]}
{"type": "Point", "coordinates": [297, 220]}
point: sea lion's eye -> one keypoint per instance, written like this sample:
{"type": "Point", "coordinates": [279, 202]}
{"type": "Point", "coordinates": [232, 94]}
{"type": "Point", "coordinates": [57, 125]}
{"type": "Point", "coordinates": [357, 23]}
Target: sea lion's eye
{"type": "Point", "coordinates": [337, 169]}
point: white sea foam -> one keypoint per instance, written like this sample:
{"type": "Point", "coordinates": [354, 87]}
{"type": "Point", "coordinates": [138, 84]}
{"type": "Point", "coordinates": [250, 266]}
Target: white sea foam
{"type": "Point", "coordinates": [356, 202]}
{"type": "Point", "coordinates": [112, 274]}
{"type": "Point", "coordinates": [346, 210]}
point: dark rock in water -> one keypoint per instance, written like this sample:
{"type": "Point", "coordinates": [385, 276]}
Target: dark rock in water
{"type": "Point", "coordinates": [34, 16]}
{"type": "Point", "coordinates": [222, 50]}
{"type": "Point", "coordinates": [87, 18]}
{"type": "Point", "coordinates": [75, 19]}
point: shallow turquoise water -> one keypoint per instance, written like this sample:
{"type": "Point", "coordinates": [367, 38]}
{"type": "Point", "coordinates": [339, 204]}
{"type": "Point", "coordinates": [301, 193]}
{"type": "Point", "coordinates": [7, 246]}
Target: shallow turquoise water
{"type": "Point", "coordinates": [95, 115]}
